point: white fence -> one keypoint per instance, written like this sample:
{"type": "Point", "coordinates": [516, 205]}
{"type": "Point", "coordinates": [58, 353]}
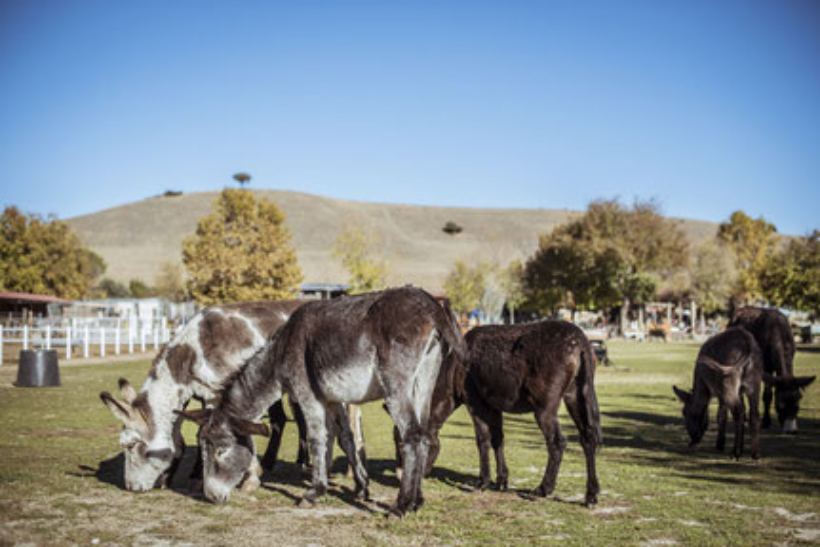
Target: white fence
{"type": "Point", "coordinates": [88, 340]}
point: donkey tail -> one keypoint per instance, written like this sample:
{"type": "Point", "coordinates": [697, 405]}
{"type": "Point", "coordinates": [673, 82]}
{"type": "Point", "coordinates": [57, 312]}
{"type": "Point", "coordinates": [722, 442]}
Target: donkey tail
{"type": "Point", "coordinates": [591, 413]}
{"type": "Point", "coordinates": [447, 326]}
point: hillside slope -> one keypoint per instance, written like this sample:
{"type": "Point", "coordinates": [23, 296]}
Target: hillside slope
{"type": "Point", "coordinates": [137, 238]}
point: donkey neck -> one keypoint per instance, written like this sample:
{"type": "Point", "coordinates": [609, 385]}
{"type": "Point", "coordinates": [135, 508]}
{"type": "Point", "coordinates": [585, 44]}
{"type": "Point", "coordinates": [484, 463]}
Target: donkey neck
{"type": "Point", "coordinates": [254, 389]}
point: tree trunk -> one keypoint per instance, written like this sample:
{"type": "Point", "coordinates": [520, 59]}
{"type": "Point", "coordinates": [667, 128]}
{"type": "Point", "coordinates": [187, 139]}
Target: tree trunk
{"type": "Point", "coordinates": [624, 315]}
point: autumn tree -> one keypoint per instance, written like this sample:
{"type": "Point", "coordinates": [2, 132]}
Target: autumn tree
{"type": "Point", "coordinates": [792, 278]}
{"type": "Point", "coordinates": [241, 252]}
{"type": "Point", "coordinates": [44, 256]}
{"type": "Point", "coordinates": [139, 289]}
{"type": "Point", "coordinates": [357, 252]}
{"type": "Point", "coordinates": [713, 276]}
{"type": "Point", "coordinates": [465, 286]}
{"type": "Point", "coordinates": [170, 283]}
{"type": "Point", "coordinates": [753, 243]}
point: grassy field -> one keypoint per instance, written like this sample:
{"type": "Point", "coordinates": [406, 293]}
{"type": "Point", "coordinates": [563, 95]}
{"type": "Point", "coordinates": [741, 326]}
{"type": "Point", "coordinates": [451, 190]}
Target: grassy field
{"type": "Point", "coordinates": [60, 476]}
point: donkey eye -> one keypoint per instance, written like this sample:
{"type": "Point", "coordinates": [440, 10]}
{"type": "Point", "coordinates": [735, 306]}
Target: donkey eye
{"type": "Point", "coordinates": [221, 453]}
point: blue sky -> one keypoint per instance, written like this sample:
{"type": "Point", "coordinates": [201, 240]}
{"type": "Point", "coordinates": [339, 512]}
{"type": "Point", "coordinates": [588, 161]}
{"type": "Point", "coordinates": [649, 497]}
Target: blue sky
{"type": "Point", "coordinates": [707, 106]}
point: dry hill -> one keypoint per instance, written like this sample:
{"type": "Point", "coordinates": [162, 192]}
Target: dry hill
{"type": "Point", "coordinates": [135, 239]}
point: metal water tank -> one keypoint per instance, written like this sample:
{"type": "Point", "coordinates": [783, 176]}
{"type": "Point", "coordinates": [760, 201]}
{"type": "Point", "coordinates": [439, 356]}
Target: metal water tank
{"type": "Point", "coordinates": [38, 368]}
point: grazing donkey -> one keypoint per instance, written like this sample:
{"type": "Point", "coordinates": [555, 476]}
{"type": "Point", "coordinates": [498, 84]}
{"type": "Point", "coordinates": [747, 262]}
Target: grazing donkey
{"type": "Point", "coordinates": [522, 368]}
{"type": "Point", "coordinates": [729, 365]}
{"type": "Point", "coordinates": [196, 363]}
{"type": "Point", "coordinates": [386, 345]}
{"type": "Point", "coordinates": [774, 336]}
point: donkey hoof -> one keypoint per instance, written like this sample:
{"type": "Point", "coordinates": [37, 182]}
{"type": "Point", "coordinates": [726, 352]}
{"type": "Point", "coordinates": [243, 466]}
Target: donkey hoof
{"type": "Point", "coordinates": [482, 484]}
{"type": "Point", "coordinates": [591, 500]}
{"type": "Point", "coordinates": [363, 494]}
{"type": "Point", "coordinates": [502, 485]}
{"type": "Point", "coordinates": [541, 492]}
{"type": "Point", "coordinates": [418, 503]}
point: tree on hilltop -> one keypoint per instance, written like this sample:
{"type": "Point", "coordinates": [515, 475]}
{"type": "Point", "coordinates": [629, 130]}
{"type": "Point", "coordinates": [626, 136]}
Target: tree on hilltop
{"type": "Point", "coordinates": [242, 178]}
{"type": "Point", "coordinates": [241, 252]}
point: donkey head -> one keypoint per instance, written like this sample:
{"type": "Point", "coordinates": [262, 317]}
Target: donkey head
{"type": "Point", "coordinates": [787, 394]}
{"type": "Point", "coordinates": [227, 450]}
{"type": "Point", "coordinates": [146, 466]}
{"type": "Point", "coordinates": [695, 417]}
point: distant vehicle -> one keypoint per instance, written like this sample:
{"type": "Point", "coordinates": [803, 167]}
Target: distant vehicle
{"type": "Point", "coordinates": [601, 351]}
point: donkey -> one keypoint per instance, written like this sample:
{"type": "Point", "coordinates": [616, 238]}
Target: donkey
{"type": "Point", "coordinates": [362, 348]}
{"type": "Point", "coordinates": [774, 336]}
{"type": "Point", "coordinates": [517, 369]}
{"type": "Point", "coordinates": [729, 365]}
{"type": "Point", "coordinates": [196, 363]}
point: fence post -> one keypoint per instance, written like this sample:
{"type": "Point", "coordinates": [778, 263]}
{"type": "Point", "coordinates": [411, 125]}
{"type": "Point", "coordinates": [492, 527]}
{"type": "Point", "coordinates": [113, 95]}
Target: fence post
{"type": "Point", "coordinates": [142, 339]}
{"type": "Point", "coordinates": [25, 336]}
{"type": "Point", "coordinates": [102, 341]}
{"type": "Point", "coordinates": [85, 342]}
{"type": "Point", "coordinates": [130, 339]}
{"type": "Point", "coordinates": [117, 339]}
{"type": "Point", "coordinates": [68, 343]}
{"type": "Point", "coordinates": [155, 331]}
{"type": "Point", "coordinates": [1, 345]}
{"type": "Point", "coordinates": [48, 336]}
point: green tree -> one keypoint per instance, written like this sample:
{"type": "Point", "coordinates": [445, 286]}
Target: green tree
{"type": "Point", "coordinates": [511, 282]}
{"type": "Point", "coordinates": [355, 249]}
{"type": "Point", "coordinates": [793, 277]}
{"type": "Point", "coordinates": [110, 288]}
{"type": "Point", "coordinates": [753, 243]}
{"type": "Point", "coordinates": [611, 253]}
{"type": "Point", "coordinates": [242, 178]}
{"type": "Point", "coordinates": [241, 252]}
{"type": "Point", "coordinates": [465, 285]}
{"type": "Point", "coordinates": [44, 257]}
{"type": "Point", "coordinates": [139, 289]}
{"type": "Point", "coordinates": [170, 282]}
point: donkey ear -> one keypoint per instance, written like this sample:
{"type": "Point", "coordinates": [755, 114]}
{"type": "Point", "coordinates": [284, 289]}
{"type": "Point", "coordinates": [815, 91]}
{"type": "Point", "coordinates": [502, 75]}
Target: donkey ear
{"type": "Point", "coordinates": [798, 382]}
{"type": "Point", "coordinates": [683, 395]}
{"type": "Point", "coordinates": [247, 427]}
{"type": "Point", "coordinates": [198, 416]}
{"type": "Point", "coordinates": [120, 410]}
{"type": "Point", "coordinates": [128, 393]}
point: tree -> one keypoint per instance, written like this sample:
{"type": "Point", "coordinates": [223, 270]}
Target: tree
{"type": "Point", "coordinates": [792, 278]}
{"type": "Point", "coordinates": [355, 249]}
{"type": "Point", "coordinates": [139, 289]}
{"type": "Point", "coordinates": [241, 252]}
{"type": "Point", "coordinates": [611, 253]}
{"type": "Point", "coordinates": [511, 282]}
{"type": "Point", "coordinates": [451, 228]}
{"type": "Point", "coordinates": [465, 286]}
{"type": "Point", "coordinates": [242, 178]}
{"type": "Point", "coordinates": [110, 288]}
{"type": "Point", "coordinates": [44, 257]}
{"type": "Point", "coordinates": [713, 276]}
{"type": "Point", "coordinates": [170, 282]}
{"type": "Point", "coordinates": [753, 243]}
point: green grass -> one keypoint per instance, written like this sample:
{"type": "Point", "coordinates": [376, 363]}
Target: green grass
{"type": "Point", "coordinates": [60, 476]}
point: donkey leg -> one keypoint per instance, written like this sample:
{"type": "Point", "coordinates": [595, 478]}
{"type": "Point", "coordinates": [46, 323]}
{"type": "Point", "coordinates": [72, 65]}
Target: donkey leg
{"type": "Point", "coordinates": [721, 422]}
{"type": "Point", "coordinates": [410, 435]}
{"type": "Point", "coordinates": [483, 434]}
{"type": "Point", "coordinates": [767, 402]}
{"type": "Point", "coordinates": [589, 442]}
{"type": "Point", "coordinates": [348, 444]}
{"type": "Point", "coordinates": [278, 419]}
{"type": "Point", "coordinates": [397, 444]}
{"type": "Point", "coordinates": [754, 422]}
{"type": "Point", "coordinates": [738, 416]}
{"type": "Point", "coordinates": [303, 456]}
{"type": "Point", "coordinates": [547, 419]}
{"type": "Point", "coordinates": [316, 423]}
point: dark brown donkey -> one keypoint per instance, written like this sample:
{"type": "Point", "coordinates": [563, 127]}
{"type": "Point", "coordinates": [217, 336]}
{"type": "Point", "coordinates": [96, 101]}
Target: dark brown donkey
{"type": "Point", "coordinates": [380, 345]}
{"type": "Point", "coordinates": [729, 366]}
{"type": "Point", "coordinates": [774, 336]}
{"type": "Point", "coordinates": [518, 369]}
